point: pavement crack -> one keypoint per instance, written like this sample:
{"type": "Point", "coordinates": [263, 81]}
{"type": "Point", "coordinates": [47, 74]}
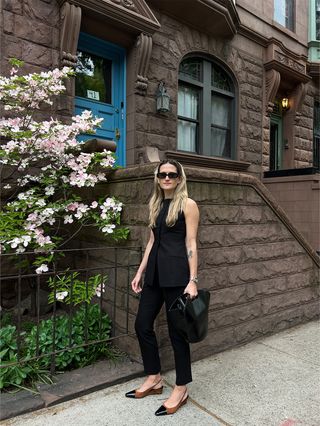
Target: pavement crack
{"type": "Point", "coordinates": [201, 407]}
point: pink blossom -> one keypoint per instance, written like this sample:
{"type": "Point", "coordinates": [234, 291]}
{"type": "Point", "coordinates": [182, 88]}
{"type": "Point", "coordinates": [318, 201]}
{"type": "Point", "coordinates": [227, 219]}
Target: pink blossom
{"type": "Point", "coordinates": [72, 206]}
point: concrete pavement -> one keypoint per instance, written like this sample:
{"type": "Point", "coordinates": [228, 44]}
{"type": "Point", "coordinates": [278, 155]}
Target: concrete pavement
{"type": "Point", "coordinates": [273, 381]}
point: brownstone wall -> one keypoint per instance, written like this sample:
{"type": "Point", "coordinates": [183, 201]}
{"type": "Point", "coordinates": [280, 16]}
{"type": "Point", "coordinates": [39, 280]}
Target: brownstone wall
{"type": "Point", "coordinates": [31, 33]}
{"type": "Point", "coordinates": [300, 198]}
{"type": "Point", "coordinates": [170, 44]}
{"type": "Point", "coordinates": [303, 155]}
{"type": "Point", "coordinates": [263, 277]}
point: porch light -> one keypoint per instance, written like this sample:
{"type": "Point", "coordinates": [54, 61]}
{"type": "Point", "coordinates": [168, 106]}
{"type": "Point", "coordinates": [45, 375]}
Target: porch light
{"type": "Point", "coordinates": [163, 99]}
{"type": "Point", "coordinates": [285, 103]}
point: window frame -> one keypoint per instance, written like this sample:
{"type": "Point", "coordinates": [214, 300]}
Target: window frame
{"type": "Point", "coordinates": [206, 90]}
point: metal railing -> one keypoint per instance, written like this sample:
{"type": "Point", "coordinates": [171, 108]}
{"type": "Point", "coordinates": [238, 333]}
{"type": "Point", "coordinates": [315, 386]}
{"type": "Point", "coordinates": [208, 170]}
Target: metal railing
{"type": "Point", "coordinates": [118, 264]}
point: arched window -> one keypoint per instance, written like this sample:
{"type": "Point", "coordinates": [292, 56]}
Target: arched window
{"type": "Point", "coordinates": [206, 109]}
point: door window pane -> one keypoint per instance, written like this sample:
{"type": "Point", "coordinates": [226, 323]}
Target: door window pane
{"type": "Point", "coordinates": [93, 77]}
{"type": "Point", "coordinates": [274, 135]}
{"type": "Point", "coordinates": [276, 143]}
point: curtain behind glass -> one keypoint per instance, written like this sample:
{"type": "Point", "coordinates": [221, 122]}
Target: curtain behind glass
{"type": "Point", "coordinates": [188, 102]}
{"type": "Point", "coordinates": [220, 126]}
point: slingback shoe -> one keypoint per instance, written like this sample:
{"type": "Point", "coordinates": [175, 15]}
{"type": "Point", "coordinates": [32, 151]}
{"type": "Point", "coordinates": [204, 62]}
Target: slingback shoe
{"type": "Point", "coordinates": [151, 391]}
{"type": "Point", "coordinates": [163, 410]}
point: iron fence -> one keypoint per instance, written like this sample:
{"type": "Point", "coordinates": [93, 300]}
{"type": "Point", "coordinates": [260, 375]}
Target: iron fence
{"type": "Point", "coordinates": [30, 292]}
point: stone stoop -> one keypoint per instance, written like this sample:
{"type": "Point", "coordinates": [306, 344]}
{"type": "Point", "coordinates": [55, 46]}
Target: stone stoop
{"type": "Point", "coordinates": [260, 270]}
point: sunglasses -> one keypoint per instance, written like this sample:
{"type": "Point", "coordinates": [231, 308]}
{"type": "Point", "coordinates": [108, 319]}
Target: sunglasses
{"type": "Point", "coordinates": [171, 175]}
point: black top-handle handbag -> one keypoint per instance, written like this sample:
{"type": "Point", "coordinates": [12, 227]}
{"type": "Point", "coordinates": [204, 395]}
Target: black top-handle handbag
{"type": "Point", "coordinates": [190, 316]}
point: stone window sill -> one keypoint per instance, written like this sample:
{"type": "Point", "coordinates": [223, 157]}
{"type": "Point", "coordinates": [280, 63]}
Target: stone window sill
{"type": "Point", "coordinates": [285, 30]}
{"type": "Point", "coordinates": [190, 159]}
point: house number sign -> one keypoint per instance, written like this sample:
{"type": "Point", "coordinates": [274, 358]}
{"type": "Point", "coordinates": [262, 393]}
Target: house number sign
{"type": "Point", "coordinates": [91, 94]}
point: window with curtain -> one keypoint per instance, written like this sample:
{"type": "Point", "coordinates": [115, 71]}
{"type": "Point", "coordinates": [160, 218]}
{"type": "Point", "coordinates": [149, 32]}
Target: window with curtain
{"type": "Point", "coordinates": [284, 13]}
{"type": "Point", "coordinates": [206, 109]}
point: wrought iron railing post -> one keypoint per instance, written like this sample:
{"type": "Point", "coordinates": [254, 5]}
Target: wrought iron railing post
{"type": "Point", "coordinates": [53, 355]}
{"type": "Point", "coordinates": [19, 316]}
{"type": "Point", "coordinates": [38, 315]}
{"type": "Point", "coordinates": [115, 291]}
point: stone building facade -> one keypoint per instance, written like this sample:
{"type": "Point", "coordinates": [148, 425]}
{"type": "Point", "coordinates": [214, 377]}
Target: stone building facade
{"type": "Point", "coordinates": [253, 164]}
{"type": "Point", "coordinates": [261, 48]}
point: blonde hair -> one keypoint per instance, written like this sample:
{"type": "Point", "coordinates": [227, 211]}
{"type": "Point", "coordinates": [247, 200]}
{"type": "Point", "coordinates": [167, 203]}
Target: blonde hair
{"type": "Point", "coordinates": [178, 202]}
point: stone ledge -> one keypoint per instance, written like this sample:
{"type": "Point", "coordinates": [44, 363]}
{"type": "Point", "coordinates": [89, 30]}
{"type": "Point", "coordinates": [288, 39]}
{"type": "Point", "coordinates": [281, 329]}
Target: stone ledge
{"type": "Point", "coordinates": [69, 385]}
{"type": "Point", "coordinates": [19, 403]}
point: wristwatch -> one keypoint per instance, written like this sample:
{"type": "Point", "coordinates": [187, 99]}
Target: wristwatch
{"type": "Point", "coordinates": [194, 279]}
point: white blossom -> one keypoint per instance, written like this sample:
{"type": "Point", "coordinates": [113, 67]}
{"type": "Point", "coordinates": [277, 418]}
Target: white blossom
{"type": "Point", "coordinates": [42, 268]}
{"type": "Point", "coordinates": [68, 219]}
{"type": "Point", "coordinates": [49, 190]}
{"type": "Point", "coordinates": [60, 295]}
{"type": "Point", "coordinates": [100, 289]}
{"type": "Point", "coordinates": [108, 228]}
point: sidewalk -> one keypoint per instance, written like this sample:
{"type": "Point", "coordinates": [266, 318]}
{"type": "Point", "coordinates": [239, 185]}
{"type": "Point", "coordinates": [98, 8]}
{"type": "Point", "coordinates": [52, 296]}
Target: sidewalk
{"type": "Point", "coordinates": [273, 381]}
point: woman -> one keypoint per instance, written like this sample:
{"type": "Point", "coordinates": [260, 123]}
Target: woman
{"type": "Point", "coordinates": [170, 262]}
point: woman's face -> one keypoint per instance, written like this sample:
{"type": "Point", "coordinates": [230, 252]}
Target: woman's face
{"type": "Point", "coordinates": [168, 184]}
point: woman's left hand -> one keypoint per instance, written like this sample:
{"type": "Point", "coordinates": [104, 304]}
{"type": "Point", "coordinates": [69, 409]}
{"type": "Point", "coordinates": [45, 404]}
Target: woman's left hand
{"type": "Point", "coordinates": [191, 289]}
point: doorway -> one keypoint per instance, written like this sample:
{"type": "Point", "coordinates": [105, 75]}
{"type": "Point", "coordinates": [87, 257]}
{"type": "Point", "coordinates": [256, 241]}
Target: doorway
{"type": "Point", "coordinates": [276, 143]}
{"type": "Point", "coordinates": [100, 88]}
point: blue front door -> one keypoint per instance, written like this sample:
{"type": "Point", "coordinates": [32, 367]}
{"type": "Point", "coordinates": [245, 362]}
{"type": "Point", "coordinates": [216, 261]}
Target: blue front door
{"type": "Point", "coordinates": [100, 87]}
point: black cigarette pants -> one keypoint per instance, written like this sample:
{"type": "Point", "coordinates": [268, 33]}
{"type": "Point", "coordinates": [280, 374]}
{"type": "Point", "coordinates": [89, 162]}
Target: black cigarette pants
{"type": "Point", "coordinates": [151, 301]}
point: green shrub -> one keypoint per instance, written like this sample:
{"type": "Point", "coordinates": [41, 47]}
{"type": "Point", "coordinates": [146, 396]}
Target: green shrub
{"type": "Point", "coordinates": [73, 357]}
{"type": "Point", "coordinates": [69, 332]}
{"type": "Point", "coordinates": [11, 375]}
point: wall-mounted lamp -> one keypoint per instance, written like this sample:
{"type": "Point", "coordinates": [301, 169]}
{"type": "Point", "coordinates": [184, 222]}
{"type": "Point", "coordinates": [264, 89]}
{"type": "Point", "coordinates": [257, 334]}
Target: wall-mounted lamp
{"type": "Point", "coordinates": [285, 104]}
{"type": "Point", "coordinates": [163, 99]}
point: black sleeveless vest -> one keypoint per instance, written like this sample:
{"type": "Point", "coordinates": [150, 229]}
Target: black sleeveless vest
{"type": "Point", "coordinates": [168, 256]}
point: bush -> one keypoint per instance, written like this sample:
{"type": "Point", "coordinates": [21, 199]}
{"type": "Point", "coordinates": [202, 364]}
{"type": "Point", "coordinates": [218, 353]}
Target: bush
{"type": "Point", "coordinates": [11, 375]}
{"type": "Point", "coordinates": [69, 332]}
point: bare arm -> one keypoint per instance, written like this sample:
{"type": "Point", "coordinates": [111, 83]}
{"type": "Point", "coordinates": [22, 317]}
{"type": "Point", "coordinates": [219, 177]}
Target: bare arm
{"type": "Point", "coordinates": [192, 221]}
{"type": "Point", "coordinates": [136, 282]}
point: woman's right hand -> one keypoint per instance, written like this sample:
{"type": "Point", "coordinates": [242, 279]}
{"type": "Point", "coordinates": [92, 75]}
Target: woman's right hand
{"type": "Point", "coordinates": [135, 283]}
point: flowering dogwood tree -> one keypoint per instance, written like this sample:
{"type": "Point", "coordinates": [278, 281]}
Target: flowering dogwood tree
{"type": "Point", "coordinates": [43, 167]}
